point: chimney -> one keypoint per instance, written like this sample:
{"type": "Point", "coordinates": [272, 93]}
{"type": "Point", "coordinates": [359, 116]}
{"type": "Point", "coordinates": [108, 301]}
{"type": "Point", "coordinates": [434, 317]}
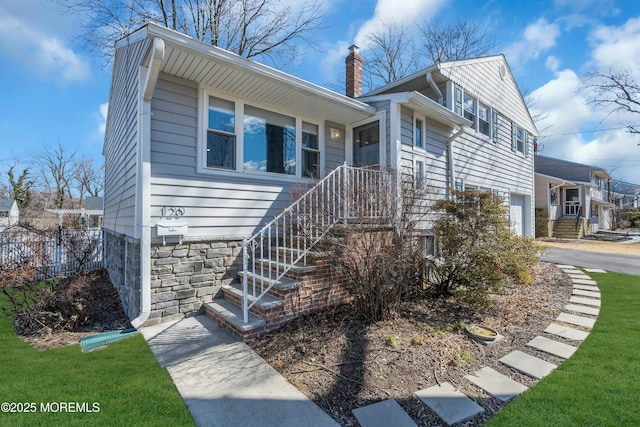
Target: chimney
{"type": "Point", "coordinates": [354, 72]}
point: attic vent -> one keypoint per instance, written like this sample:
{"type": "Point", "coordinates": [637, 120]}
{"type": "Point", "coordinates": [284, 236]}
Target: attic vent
{"type": "Point", "coordinates": [503, 71]}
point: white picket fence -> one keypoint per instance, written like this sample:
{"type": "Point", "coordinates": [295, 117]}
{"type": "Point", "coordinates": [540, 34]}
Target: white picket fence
{"type": "Point", "coordinates": [52, 254]}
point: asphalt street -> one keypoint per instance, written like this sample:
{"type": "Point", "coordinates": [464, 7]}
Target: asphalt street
{"type": "Point", "coordinates": [620, 263]}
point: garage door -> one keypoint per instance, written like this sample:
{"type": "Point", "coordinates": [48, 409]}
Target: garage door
{"type": "Point", "coordinates": [516, 214]}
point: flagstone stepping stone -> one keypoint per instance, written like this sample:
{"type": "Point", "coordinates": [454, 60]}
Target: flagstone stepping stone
{"type": "Point", "coordinates": [585, 301]}
{"type": "Point", "coordinates": [586, 287]}
{"type": "Point", "coordinates": [585, 293]}
{"type": "Point", "coordinates": [582, 309]}
{"type": "Point", "coordinates": [574, 319]}
{"type": "Point", "coordinates": [496, 384]}
{"type": "Point", "coordinates": [584, 282]}
{"type": "Point", "coordinates": [594, 270]}
{"type": "Point", "coordinates": [528, 365]}
{"type": "Point", "coordinates": [382, 414]}
{"type": "Point", "coordinates": [579, 276]}
{"type": "Point", "coordinates": [566, 332]}
{"type": "Point", "coordinates": [563, 266]}
{"type": "Point", "coordinates": [449, 404]}
{"type": "Point", "coordinates": [552, 347]}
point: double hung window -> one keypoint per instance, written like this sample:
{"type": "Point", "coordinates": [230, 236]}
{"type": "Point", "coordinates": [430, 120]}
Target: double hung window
{"type": "Point", "coordinates": [221, 138]}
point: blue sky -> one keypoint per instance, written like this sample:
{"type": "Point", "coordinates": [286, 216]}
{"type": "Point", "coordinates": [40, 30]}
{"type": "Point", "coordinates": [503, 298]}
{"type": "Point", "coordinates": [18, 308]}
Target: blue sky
{"type": "Point", "coordinates": [52, 91]}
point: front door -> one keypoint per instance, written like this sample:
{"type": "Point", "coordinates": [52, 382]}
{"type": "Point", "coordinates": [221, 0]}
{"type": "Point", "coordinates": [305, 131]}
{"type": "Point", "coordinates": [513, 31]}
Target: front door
{"type": "Point", "coordinates": [366, 144]}
{"type": "Point", "coordinates": [571, 201]}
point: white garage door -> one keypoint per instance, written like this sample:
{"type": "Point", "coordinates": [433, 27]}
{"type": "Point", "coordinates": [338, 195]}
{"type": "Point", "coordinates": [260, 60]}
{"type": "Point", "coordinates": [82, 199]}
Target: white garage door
{"type": "Point", "coordinates": [516, 214]}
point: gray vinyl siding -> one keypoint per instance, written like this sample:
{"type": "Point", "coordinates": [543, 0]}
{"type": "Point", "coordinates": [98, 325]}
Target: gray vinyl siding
{"type": "Point", "coordinates": [334, 149]}
{"type": "Point", "coordinates": [121, 138]}
{"type": "Point", "coordinates": [215, 204]}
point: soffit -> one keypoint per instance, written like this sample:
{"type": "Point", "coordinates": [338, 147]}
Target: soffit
{"type": "Point", "coordinates": [235, 76]}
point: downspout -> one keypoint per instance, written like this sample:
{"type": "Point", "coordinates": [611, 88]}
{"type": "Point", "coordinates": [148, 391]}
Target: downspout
{"type": "Point", "coordinates": [144, 175]}
{"type": "Point", "coordinates": [452, 172]}
{"type": "Point", "coordinates": [435, 87]}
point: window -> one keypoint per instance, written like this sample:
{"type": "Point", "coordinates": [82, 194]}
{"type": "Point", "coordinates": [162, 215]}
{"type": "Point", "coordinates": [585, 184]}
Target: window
{"type": "Point", "coordinates": [366, 144]}
{"type": "Point", "coordinates": [419, 172]}
{"type": "Point", "coordinates": [470, 110]}
{"type": "Point", "coordinates": [419, 138]}
{"type": "Point", "coordinates": [518, 136]}
{"type": "Point", "coordinates": [520, 140]}
{"type": "Point", "coordinates": [483, 119]}
{"type": "Point", "coordinates": [310, 150]}
{"type": "Point", "coordinates": [221, 138]}
{"type": "Point", "coordinates": [269, 141]}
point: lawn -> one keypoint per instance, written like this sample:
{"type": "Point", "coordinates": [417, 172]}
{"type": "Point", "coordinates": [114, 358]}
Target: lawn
{"type": "Point", "coordinates": [600, 384]}
{"type": "Point", "coordinates": [121, 384]}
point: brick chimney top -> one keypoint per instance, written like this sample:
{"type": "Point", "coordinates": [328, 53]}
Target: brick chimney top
{"type": "Point", "coordinates": [354, 72]}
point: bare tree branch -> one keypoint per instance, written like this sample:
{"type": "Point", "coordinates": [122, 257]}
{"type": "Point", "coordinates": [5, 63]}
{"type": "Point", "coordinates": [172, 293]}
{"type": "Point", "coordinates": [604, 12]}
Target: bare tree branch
{"type": "Point", "coordinates": [452, 42]}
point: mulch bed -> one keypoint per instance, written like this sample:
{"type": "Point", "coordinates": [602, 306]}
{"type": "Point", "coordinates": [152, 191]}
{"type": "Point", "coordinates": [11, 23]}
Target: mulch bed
{"type": "Point", "coordinates": [342, 362]}
{"type": "Point", "coordinates": [80, 305]}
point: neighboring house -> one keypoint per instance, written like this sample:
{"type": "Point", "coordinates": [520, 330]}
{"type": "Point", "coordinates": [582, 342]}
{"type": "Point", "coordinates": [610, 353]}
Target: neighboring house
{"type": "Point", "coordinates": [625, 195]}
{"type": "Point", "coordinates": [576, 198]}
{"type": "Point", "coordinates": [91, 214]}
{"type": "Point", "coordinates": [9, 213]}
{"type": "Point", "coordinates": [203, 147]}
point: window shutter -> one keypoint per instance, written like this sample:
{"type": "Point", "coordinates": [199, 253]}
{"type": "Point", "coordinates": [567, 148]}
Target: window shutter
{"type": "Point", "coordinates": [457, 101]}
{"type": "Point", "coordinates": [494, 126]}
{"type": "Point", "coordinates": [514, 137]}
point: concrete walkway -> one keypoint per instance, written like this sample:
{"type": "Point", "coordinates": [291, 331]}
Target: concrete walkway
{"type": "Point", "coordinates": [225, 383]}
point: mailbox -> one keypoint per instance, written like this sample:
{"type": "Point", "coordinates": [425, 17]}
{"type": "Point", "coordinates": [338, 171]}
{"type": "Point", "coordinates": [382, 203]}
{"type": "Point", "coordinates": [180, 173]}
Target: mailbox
{"type": "Point", "coordinates": [171, 228]}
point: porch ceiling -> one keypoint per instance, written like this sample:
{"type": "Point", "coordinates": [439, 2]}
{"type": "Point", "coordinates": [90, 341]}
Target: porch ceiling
{"type": "Point", "coordinates": [220, 70]}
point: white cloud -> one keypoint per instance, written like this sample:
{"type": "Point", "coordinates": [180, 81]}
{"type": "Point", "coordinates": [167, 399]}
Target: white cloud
{"type": "Point", "coordinates": [390, 12]}
{"type": "Point", "coordinates": [537, 39]}
{"type": "Point", "coordinates": [617, 47]}
{"type": "Point", "coordinates": [30, 40]}
{"type": "Point", "coordinates": [102, 120]}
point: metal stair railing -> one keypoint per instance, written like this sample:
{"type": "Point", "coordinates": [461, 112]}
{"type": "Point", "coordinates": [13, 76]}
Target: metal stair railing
{"type": "Point", "coordinates": [286, 240]}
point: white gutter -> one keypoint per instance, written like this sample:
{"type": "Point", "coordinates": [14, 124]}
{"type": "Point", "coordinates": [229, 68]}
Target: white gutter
{"type": "Point", "coordinates": [143, 199]}
{"type": "Point", "coordinates": [435, 87]}
{"type": "Point", "coordinates": [452, 171]}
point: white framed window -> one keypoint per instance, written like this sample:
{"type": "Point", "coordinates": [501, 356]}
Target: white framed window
{"type": "Point", "coordinates": [418, 137]}
{"type": "Point", "coordinates": [221, 136]}
{"type": "Point", "coordinates": [419, 174]}
{"type": "Point", "coordinates": [484, 124]}
{"type": "Point", "coordinates": [470, 110]}
{"type": "Point", "coordinates": [241, 137]}
{"type": "Point", "coordinates": [310, 150]}
{"type": "Point", "coordinates": [518, 138]}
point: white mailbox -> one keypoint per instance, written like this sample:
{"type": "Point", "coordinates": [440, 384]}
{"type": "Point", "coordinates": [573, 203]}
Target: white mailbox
{"type": "Point", "coordinates": [171, 228]}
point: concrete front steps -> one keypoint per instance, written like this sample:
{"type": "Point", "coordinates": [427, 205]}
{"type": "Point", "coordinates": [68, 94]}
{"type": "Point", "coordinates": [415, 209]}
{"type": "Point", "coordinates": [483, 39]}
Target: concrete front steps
{"type": "Point", "coordinates": [565, 228]}
{"type": "Point", "coordinates": [306, 288]}
{"type": "Point", "coordinates": [453, 406]}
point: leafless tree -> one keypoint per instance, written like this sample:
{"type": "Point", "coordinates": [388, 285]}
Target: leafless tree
{"type": "Point", "coordinates": [617, 91]}
{"type": "Point", "coordinates": [87, 179]}
{"type": "Point", "coordinates": [391, 55]}
{"type": "Point", "coordinates": [452, 42]}
{"type": "Point", "coordinates": [268, 29]}
{"type": "Point", "coordinates": [56, 168]}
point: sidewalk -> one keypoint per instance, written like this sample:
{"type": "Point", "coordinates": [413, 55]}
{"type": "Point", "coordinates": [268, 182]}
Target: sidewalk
{"type": "Point", "coordinates": [225, 383]}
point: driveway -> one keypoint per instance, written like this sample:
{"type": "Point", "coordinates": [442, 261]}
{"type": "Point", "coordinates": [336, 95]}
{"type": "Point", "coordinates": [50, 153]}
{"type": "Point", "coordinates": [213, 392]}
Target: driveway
{"type": "Point", "coordinates": [618, 257]}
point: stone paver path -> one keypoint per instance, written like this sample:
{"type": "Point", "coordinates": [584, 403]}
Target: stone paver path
{"type": "Point", "coordinates": [574, 319]}
{"type": "Point", "coordinates": [552, 347]}
{"type": "Point", "coordinates": [496, 384]}
{"type": "Point", "coordinates": [383, 414]}
{"type": "Point", "coordinates": [594, 270]}
{"type": "Point", "coordinates": [584, 282]}
{"type": "Point", "coordinates": [566, 332]}
{"type": "Point", "coordinates": [528, 365]}
{"type": "Point", "coordinates": [586, 287]}
{"type": "Point", "coordinates": [450, 404]}
{"type": "Point", "coordinates": [586, 293]}
{"type": "Point", "coordinates": [582, 309]}
{"type": "Point", "coordinates": [585, 301]}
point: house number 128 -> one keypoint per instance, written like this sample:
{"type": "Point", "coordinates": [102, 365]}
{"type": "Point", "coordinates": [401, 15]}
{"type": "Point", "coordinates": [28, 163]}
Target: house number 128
{"type": "Point", "coordinates": [176, 211]}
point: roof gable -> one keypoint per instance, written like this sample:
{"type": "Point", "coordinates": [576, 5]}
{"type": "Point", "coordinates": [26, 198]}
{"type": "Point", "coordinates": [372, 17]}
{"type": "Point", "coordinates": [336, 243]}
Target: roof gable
{"type": "Point", "coordinates": [7, 205]}
{"type": "Point", "coordinates": [567, 170]}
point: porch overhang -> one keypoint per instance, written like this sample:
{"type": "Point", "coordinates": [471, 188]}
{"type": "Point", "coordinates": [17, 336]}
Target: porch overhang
{"type": "Point", "coordinates": [229, 74]}
{"type": "Point", "coordinates": [555, 181]}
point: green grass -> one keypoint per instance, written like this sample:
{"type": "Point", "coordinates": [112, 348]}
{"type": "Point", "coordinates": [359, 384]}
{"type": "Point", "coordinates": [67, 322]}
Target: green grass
{"type": "Point", "coordinates": [124, 379]}
{"type": "Point", "coordinates": [600, 384]}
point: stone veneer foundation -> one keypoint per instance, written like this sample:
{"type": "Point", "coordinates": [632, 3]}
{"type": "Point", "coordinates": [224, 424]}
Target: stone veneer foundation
{"type": "Point", "coordinates": [183, 276]}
